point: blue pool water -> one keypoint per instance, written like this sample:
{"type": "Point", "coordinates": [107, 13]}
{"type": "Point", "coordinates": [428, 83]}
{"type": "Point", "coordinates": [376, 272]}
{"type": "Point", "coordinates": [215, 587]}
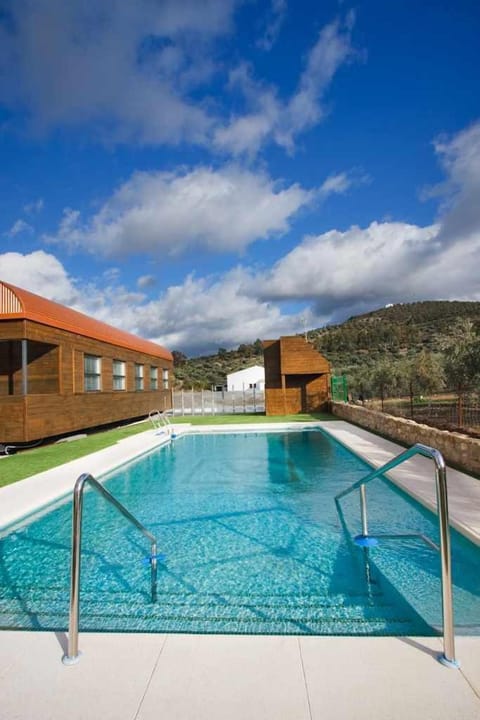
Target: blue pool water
{"type": "Point", "coordinates": [252, 542]}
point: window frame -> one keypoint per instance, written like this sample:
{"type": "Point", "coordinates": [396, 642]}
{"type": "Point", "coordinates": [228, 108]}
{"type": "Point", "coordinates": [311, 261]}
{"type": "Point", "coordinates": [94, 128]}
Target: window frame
{"type": "Point", "coordinates": [153, 377]}
{"type": "Point", "coordinates": [139, 377]}
{"type": "Point", "coordinates": [165, 378]}
{"type": "Point", "coordinates": [89, 375]}
{"type": "Point", "coordinates": [119, 376]}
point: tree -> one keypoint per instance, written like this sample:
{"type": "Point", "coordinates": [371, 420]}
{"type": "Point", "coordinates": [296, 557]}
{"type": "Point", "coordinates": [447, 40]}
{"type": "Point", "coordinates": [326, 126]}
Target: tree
{"type": "Point", "coordinates": [178, 358]}
{"type": "Point", "coordinates": [422, 374]}
{"type": "Point", "coordinates": [258, 347]}
{"type": "Point", "coordinates": [462, 364]}
{"type": "Point", "coordinates": [359, 381]}
{"type": "Point", "coordinates": [245, 350]}
{"type": "Point", "coordinates": [384, 378]}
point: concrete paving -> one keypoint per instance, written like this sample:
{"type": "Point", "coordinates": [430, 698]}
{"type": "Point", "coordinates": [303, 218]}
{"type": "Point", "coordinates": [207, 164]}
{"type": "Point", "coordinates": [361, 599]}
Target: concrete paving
{"type": "Point", "coordinates": [22, 498]}
{"type": "Point", "coordinates": [416, 476]}
{"type": "Point", "coordinates": [192, 677]}
{"type": "Point", "coordinates": [206, 677]}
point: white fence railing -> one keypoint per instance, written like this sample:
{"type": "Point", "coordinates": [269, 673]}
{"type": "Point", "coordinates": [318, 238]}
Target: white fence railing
{"type": "Point", "coordinates": [218, 402]}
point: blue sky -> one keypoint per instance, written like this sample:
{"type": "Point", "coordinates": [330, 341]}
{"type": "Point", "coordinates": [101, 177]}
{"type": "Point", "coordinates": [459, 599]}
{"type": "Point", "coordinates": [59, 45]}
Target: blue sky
{"type": "Point", "coordinates": [203, 173]}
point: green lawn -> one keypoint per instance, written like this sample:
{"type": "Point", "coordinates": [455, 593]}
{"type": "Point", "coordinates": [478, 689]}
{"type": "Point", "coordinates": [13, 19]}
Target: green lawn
{"type": "Point", "coordinates": [30, 462]}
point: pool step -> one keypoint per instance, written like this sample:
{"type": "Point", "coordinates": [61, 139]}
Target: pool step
{"type": "Point", "coordinates": [336, 614]}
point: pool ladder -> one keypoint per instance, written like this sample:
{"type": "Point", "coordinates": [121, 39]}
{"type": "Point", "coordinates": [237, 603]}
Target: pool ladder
{"type": "Point", "coordinates": [160, 419]}
{"type": "Point", "coordinates": [72, 655]}
{"type": "Point", "coordinates": [366, 540]}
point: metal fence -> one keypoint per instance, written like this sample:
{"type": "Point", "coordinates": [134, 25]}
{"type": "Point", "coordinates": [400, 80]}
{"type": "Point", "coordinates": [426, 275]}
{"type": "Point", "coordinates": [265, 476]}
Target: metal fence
{"type": "Point", "coordinates": [445, 411]}
{"type": "Point", "coordinates": [339, 388]}
{"type": "Point", "coordinates": [218, 402]}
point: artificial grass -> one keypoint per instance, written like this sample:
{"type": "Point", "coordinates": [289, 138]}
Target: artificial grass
{"type": "Point", "coordinates": [29, 462]}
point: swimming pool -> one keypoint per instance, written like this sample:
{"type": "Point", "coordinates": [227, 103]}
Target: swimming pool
{"type": "Point", "coordinates": [252, 543]}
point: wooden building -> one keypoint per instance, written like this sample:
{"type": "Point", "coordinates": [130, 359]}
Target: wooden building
{"type": "Point", "coordinates": [62, 371]}
{"type": "Point", "coordinates": [297, 377]}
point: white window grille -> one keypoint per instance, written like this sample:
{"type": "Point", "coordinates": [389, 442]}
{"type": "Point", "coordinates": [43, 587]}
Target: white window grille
{"type": "Point", "coordinates": [119, 375]}
{"type": "Point", "coordinates": [92, 373]}
{"type": "Point", "coordinates": [153, 378]}
{"type": "Point", "coordinates": [138, 377]}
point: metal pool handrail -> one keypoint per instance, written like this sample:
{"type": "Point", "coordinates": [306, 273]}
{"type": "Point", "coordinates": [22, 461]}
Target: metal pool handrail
{"type": "Point", "coordinates": [448, 657]}
{"type": "Point", "coordinates": [72, 654]}
{"type": "Point", "coordinates": [159, 419]}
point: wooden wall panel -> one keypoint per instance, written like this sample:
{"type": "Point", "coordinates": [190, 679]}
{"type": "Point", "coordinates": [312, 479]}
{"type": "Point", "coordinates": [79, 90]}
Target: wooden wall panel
{"type": "Point", "coordinates": [296, 377]}
{"type": "Point", "coordinates": [12, 329]}
{"type": "Point", "coordinates": [12, 420]}
{"type": "Point", "coordinates": [69, 408]}
{"type": "Point", "coordinates": [299, 357]}
{"type": "Point", "coordinates": [280, 402]}
{"type": "Point", "coordinates": [271, 354]}
{"type": "Point", "coordinates": [43, 369]}
{"type": "Point", "coordinates": [317, 395]}
{"type": "Point", "coordinates": [50, 415]}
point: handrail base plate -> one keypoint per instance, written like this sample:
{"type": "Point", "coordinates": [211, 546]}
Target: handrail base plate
{"type": "Point", "coordinates": [452, 664]}
{"type": "Point", "coordinates": [71, 659]}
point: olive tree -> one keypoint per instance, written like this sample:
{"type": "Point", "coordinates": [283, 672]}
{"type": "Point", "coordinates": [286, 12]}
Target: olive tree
{"type": "Point", "coordinates": [462, 361]}
{"type": "Point", "coordinates": [422, 374]}
{"type": "Point", "coordinates": [384, 378]}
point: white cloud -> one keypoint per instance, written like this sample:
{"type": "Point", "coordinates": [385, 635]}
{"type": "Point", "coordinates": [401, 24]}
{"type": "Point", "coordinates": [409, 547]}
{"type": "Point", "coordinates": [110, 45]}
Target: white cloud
{"type": "Point", "coordinates": [127, 67]}
{"type": "Point", "coordinates": [222, 210]}
{"type": "Point", "coordinates": [332, 49]}
{"type": "Point", "coordinates": [197, 316]}
{"type": "Point", "coordinates": [337, 273]}
{"type": "Point", "coordinates": [40, 273]}
{"type": "Point", "coordinates": [148, 72]}
{"type": "Point", "coordinates": [338, 268]}
{"type": "Point", "coordinates": [19, 227]}
{"type": "Point", "coordinates": [34, 207]}
{"type": "Point", "coordinates": [270, 118]}
{"type": "Point", "coordinates": [460, 158]}
{"type": "Point", "coordinates": [275, 19]}
{"type": "Point", "coordinates": [203, 314]}
{"type": "Point", "coordinates": [339, 183]}
{"type": "Point", "coordinates": [146, 281]}
{"type": "Point", "coordinates": [393, 262]}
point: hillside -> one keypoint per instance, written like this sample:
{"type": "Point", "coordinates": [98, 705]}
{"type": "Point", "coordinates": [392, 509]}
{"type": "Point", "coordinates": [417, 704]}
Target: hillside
{"type": "Point", "coordinates": [361, 340]}
{"type": "Point", "coordinates": [393, 331]}
{"type": "Point", "coordinates": [212, 370]}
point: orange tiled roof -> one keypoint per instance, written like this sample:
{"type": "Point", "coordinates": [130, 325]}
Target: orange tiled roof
{"type": "Point", "coordinates": [19, 304]}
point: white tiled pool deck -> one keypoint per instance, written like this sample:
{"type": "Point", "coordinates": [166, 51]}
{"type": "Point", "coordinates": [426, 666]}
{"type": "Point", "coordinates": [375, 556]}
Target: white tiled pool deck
{"type": "Point", "coordinates": [197, 677]}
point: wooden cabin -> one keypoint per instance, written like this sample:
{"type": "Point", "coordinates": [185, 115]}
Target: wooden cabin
{"type": "Point", "coordinates": [297, 377]}
{"type": "Point", "coordinates": [62, 371]}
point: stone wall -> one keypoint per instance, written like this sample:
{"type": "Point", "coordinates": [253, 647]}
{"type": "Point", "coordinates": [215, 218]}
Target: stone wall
{"type": "Point", "coordinates": [457, 449]}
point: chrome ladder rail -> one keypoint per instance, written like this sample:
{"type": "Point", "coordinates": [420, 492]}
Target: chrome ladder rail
{"type": "Point", "coordinates": [72, 655]}
{"type": "Point", "coordinates": [159, 419]}
{"type": "Point", "coordinates": [448, 656]}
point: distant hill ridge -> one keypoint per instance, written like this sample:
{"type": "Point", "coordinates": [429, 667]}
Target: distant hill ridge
{"type": "Point", "coordinates": [392, 331]}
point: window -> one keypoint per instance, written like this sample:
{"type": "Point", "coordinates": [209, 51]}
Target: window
{"type": "Point", "coordinates": [138, 377]}
{"type": "Point", "coordinates": [119, 374]}
{"type": "Point", "coordinates": [165, 378]}
{"type": "Point", "coordinates": [153, 378]}
{"type": "Point", "coordinates": [92, 368]}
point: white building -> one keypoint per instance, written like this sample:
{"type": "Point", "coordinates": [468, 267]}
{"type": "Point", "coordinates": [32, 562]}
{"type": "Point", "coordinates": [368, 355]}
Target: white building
{"type": "Point", "coordinates": [247, 379]}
